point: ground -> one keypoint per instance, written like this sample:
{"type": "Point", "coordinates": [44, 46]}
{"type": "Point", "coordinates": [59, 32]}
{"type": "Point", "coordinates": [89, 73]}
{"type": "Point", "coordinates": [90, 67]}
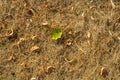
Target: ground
{"type": "Point", "coordinates": [89, 48]}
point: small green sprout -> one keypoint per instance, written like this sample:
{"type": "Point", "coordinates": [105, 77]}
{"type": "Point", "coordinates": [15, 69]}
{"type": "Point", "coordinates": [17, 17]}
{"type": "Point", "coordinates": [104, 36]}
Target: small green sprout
{"type": "Point", "coordinates": [56, 34]}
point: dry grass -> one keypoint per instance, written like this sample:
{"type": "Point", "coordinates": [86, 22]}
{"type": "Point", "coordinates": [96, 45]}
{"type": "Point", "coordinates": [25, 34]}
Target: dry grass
{"type": "Point", "coordinates": [88, 50]}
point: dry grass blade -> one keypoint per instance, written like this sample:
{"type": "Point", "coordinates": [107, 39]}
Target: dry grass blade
{"type": "Point", "coordinates": [113, 5]}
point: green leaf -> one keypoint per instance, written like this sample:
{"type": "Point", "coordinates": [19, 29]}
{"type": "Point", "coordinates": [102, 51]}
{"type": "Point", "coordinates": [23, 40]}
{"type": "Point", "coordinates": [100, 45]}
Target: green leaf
{"type": "Point", "coordinates": [56, 34]}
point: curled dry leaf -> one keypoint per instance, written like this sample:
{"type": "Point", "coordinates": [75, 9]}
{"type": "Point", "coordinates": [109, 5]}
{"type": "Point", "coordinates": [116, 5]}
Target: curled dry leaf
{"type": "Point", "coordinates": [104, 72]}
{"type": "Point", "coordinates": [34, 48]}
{"type": "Point", "coordinates": [31, 12]}
{"type": "Point", "coordinates": [10, 32]}
{"type": "Point", "coordinates": [70, 33]}
{"type": "Point", "coordinates": [10, 58]}
{"type": "Point", "coordinates": [50, 69]}
{"type": "Point", "coordinates": [68, 42]}
{"type": "Point", "coordinates": [21, 40]}
{"type": "Point", "coordinates": [33, 78]}
{"type": "Point", "coordinates": [92, 7]}
{"type": "Point", "coordinates": [45, 23]}
{"type": "Point", "coordinates": [33, 37]}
